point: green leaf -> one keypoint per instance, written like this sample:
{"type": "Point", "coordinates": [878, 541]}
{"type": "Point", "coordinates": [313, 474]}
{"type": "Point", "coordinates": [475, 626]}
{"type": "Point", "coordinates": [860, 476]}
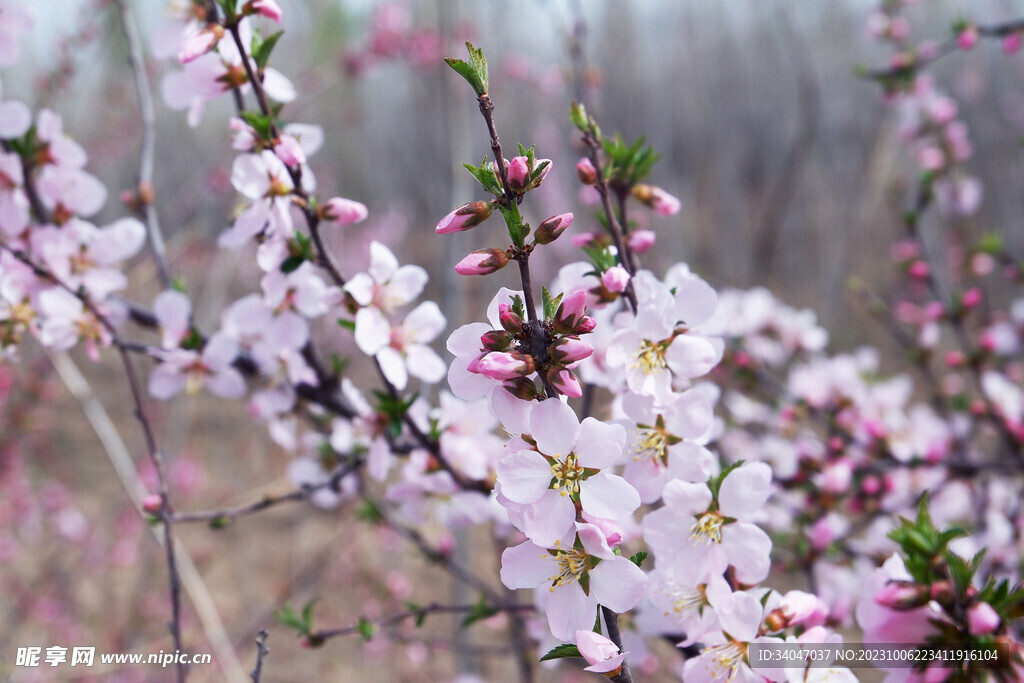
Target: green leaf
{"type": "Point", "coordinates": [485, 176]}
{"type": "Point", "coordinates": [369, 512]}
{"type": "Point", "coordinates": [349, 325]}
{"type": "Point", "coordinates": [261, 53]}
{"type": "Point", "coordinates": [291, 264]}
{"type": "Point", "coordinates": [638, 559]}
{"type": "Point", "coordinates": [339, 364]}
{"type": "Point", "coordinates": [365, 628]}
{"type": "Point", "coordinates": [307, 614]}
{"type": "Point", "coordinates": [991, 243]}
{"type": "Point", "coordinates": [287, 616]}
{"type": "Point", "coordinates": [480, 610]}
{"type": "Point", "coordinates": [578, 116]}
{"type": "Point", "coordinates": [561, 652]}
{"type": "Point", "coordinates": [474, 71]}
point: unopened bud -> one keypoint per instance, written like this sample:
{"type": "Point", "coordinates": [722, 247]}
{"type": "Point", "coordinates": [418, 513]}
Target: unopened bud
{"type": "Point", "coordinates": [465, 217]}
{"type": "Point", "coordinates": [585, 325]}
{"type": "Point", "coordinates": [496, 340]}
{"type": "Point", "coordinates": [152, 503]}
{"type": "Point", "coordinates": [510, 320]}
{"type": "Point", "coordinates": [615, 279]}
{"type": "Point", "coordinates": [656, 198]}
{"type": "Point", "coordinates": [585, 171]}
{"type": "Point", "coordinates": [522, 388]}
{"type": "Point", "coordinates": [640, 241]}
{"type": "Point", "coordinates": [902, 595]}
{"type": "Point", "coordinates": [519, 174]}
{"type": "Point", "coordinates": [570, 311]}
{"type": "Point", "coordinates": [482, 262]}
{"type": "Point", "coordinates": [776, 620]}
{"type": "Point", "coordinates": [268, 8]}
{"type": "Point", "coordinates": [982, 619]}
{"type": "Point", "coordinates": [565, 382]}
{"type": "Point", "coordinates": [568, 350]}
{"type": "Point", "coordinates": [549, 230]}
{"type": "Point", "coordinates": [506, 365]}
{"type": "Point", "coordinates": [341, 211]}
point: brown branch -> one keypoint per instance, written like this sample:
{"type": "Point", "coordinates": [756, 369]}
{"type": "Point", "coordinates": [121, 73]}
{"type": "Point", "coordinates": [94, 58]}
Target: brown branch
{"type": "Point", "coordinates": [261, 651]}
{"type": "Point", "coordinates": [144, 189]}
{"type": "Point", "coordinates": [611, 620]}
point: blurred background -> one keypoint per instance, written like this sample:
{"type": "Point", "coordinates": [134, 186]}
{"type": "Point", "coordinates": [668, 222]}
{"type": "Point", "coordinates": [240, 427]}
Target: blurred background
{"type": "Point", "coordinates": [788, 167]}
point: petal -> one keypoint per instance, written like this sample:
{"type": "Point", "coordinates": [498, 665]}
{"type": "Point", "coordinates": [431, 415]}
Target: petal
{"type": "Point", "coordinates": [382, 262]}
{"type": "Point", "coordinates": [361, 288]}
{"type": "Point", "coordinates": [220, 351]}
{"type": "Point", "coordinates": [469, 386]}
{"type": "Point", "coordinates": [228, 383]}
{"type": "Point", "coordinates": [549, 518]}
{"type": "Point", "coordinates": [745, 490]}
{"type": "Point", "coordinates": [15, 119]}
{"type": "Point", "coordinates": [166, 382]}
{"type": "Point", "coordinates": [249, 176]}
{"type": "Point", "coordinates": [599, 444]}
{"type": "Point", "coordinates": [277, 85]}
{"type": "Point", "coordinates": [747, 548]}
{"type": "Point", "coordinates": [685, 498]}
{"type": "Point", "coordinates": [372, 330]}
{"type": "Point", "coordinates": [527, 565]}
{"type": "Point", "coordinates": [524, 476]}
{"type": "Point", "coordinates": [512, 412]}
{"type": "Point", "coordinates": [392, 364]}
{"type": "Point", "coordinates": [691, 356]}
{"type": "Point", "coordinates": [608, 496]}
{"type": "Point", "coordinates": [407, 283]}
{"type": "Point", "coordinates": [554, 426]}
{"type": "Point", "coordinates": [465, 343]}
{"type": "Point", "coordinates": [618, 584]}
{"type": "Point", "coordinates": [425, 364]}
{"type": "Point", "coordinates": [118, 241]}
{"type": "Point", "coordinates": [570, 610]}
{"type": "Point", "coordinates": [172, 310]}
{"type": "Point", "coordinates": [424, 323]}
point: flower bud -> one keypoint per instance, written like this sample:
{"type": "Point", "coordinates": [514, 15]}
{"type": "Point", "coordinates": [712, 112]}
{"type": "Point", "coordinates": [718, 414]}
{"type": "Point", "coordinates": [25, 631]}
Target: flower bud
{"type": "Point", "coordinates": [568, 350]}
{"type": "Point", "coordinates": [1011, 43]}
{"type": "Point", "coordinates": [510, 320]}
{"type": "Point", "coordinates": [640, 241]}
{"type": "Point", "coordinates": [268, 8]}
{"type": "Point", "coordinates": [519, 174]}
{"type": "Point", "coordinates": [506, 365]}
{"type": "Point", "coordinates": [967, 38]}
{"type": "Point", "coordinates": [465, 217]}
{"type": "Point", "coordinates": [482, 262]}
{"type": "Point", "coordinates": [585, 325]}
{"type": "Point", "coordinates": [199, 43]}
{"type": "Point", "coordinates": [656, 198]}
{"type": "Point", "coordinates": [972, 297]}
{"type": "Point", "coordinates": [570, 311]}
{"type": "Point", "coordinates": [902, 595]}
{"type": "Point", "coordinates": [565, 382]}
{"type": "Point", "coordinates": [152, 503]}
{"type": "Point", "coordinates": [343, 211]}
{"type": "Point", "coordinates": [522, 388]}
{"type": "Point", "coordinates": [496, 340]}
{"type": "Point", "coordinates": [549, 230]}
{"type": "Point", "coordinates": [585, 171]}
{"type": "Point", "coordinates": [982, 619]}
{"type": "Point", "coordinates": [289, 151]}
{"type": "Point", "coordinates": [615, 279]}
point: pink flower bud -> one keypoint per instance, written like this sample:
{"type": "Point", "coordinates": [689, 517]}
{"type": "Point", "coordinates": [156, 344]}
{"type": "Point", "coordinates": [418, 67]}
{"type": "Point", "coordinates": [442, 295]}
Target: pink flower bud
{"type": "Point", "coordinates": [569, 350]}
{"type": "Point", "coordinates": [640, 241]}
{"type": "Point", "coordinates": [601, 654]}
{"type": "Point", "coordinates": [289, 151]}
{"type": "Point", "coordinates": [610, 528]}
{"type": "Point", "coordinates": [152, 503]}
{"type": "Point", "coordinates": [585, 171]}
{"type": "Point", "coordinates": [972, 297]}
{"type": "Point", "coordinates": [899, 28]}
{"type": "Point", "coordinates": [1011, 43]}
{"type": "Point", "coordinates": [615, 279]}
{"type": "Point", "coordinates": [582, 239]}
{"type": "Point", "coordinates": [268, 8]}
{"type": "Point", "coordinates": [656, 198]}
{"type": "Point", "coordinates": [968, 38]}
{"type": "Point", "coordinates": [931, 158]}
{"type": "Point", "coordinates": [954, 359]}
{"type": "Point", "coordinates": [509, 319]}
{"type": "Point", "coordinates": [522, 388]}
{"type": "Point", "coordinates": [465, 217]}
{"type": "Point", "coordinates": [905, 250]}
{"type": "Point", "coordinates": [565, 383]}
{"type": "Point", "coordinates": [549, 230]}
{"type": "Point", "coordinates": [585, 325]}
{"type": "Point", "coordinates": [199, 43]}
{"type": "Point", "coordinates": [982, 619]}
{"type": "Point", "coordinates": [902, 595]}
{"type": "Point", "coordinates": [572, 308]}
{"type": "Point", "coordinates": [482, 262]}
{"type": "Point", "coordinates": [918, 269]}
{"type": "Point", "coordinates": [519, 174]}
{"type": "Point", "coordinates": [496, 340]}
{"type": "Point", "coordinates": [505, 365]}
{"type": "Point", "coordinates": [344, 211]}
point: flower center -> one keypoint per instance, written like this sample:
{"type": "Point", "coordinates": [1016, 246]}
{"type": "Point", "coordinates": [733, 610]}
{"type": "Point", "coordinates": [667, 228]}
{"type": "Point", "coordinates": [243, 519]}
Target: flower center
{"type": "Point", "coordinates": [651, 357]}
{"type": "Point", "coordinates": [566, 474]}
{"type": "Point", "coordinates": [725, 658]}
{"type": "Point", "coordinates": [572, 564]}
{"type": "Point", "coordinates": [685, 600]}
{"type": "Point", "coordinates": [708, 529]}
{"type": "Point", "coordinates": [653, 443]}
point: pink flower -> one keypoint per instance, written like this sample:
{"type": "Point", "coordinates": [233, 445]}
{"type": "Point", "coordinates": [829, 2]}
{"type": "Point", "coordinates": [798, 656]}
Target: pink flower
{"type": "Point", "coordinates": [967, 38]}
{"type": "Point", "coordinates": [656, 198]}
{"type": "Point", "coordinates": [289, 151]}
{"type": "Point", "coordinates": [1011, 43]}
{"type": "Point", "coordinates": [403, 349]}
{"type": "Point", "coordinates": [585, 171]}
{"type": "Point", "coordinates": [190, 370]}
{"type": "Point", "coordinates": [602, 654]}
{"type": "Point", "coordinates": [611, 580]}
{"type": "Point", "coordinates": [518, 174]}
{"type": "Point", "coordinates": [173, 313]}
{"type": "Point", "coordinates": [482, 262]}
{"type": "Point", "coordinates": [719, 532]}
{"type": "Point", "coordinates": [386, 285]}
{"type": "Point", "coordinates": [503, 365]}
{"type": "Point", "coordinates": [571, 464]}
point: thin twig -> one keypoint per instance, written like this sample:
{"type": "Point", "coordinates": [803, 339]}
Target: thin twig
{"type": "Point", "coordinates": [144, 189]}
{"type": "Point", "coordinates": [419, 613]}
{"type": "Point", "coordinates": [611, 621]}
{"type": "Point", "coordinates": [261, 651]}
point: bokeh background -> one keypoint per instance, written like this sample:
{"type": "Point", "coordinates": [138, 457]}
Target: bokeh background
{"type": "Point", "coordinates": [788, 166]}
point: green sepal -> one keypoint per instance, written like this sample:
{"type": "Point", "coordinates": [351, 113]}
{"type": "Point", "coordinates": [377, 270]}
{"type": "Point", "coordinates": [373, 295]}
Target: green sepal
{"type": "Point", "coordinates": [638, 558]}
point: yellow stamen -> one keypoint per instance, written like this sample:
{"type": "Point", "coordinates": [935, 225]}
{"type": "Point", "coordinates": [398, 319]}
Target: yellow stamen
{"type": "Point", "coordinates": [708, 529]}
{"type": "Point", "coordinates": [566, 473]}
{"type": "Point", "coordinates": [571, 565]}
{"type": "Point", "coordinates": [651, 358]}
